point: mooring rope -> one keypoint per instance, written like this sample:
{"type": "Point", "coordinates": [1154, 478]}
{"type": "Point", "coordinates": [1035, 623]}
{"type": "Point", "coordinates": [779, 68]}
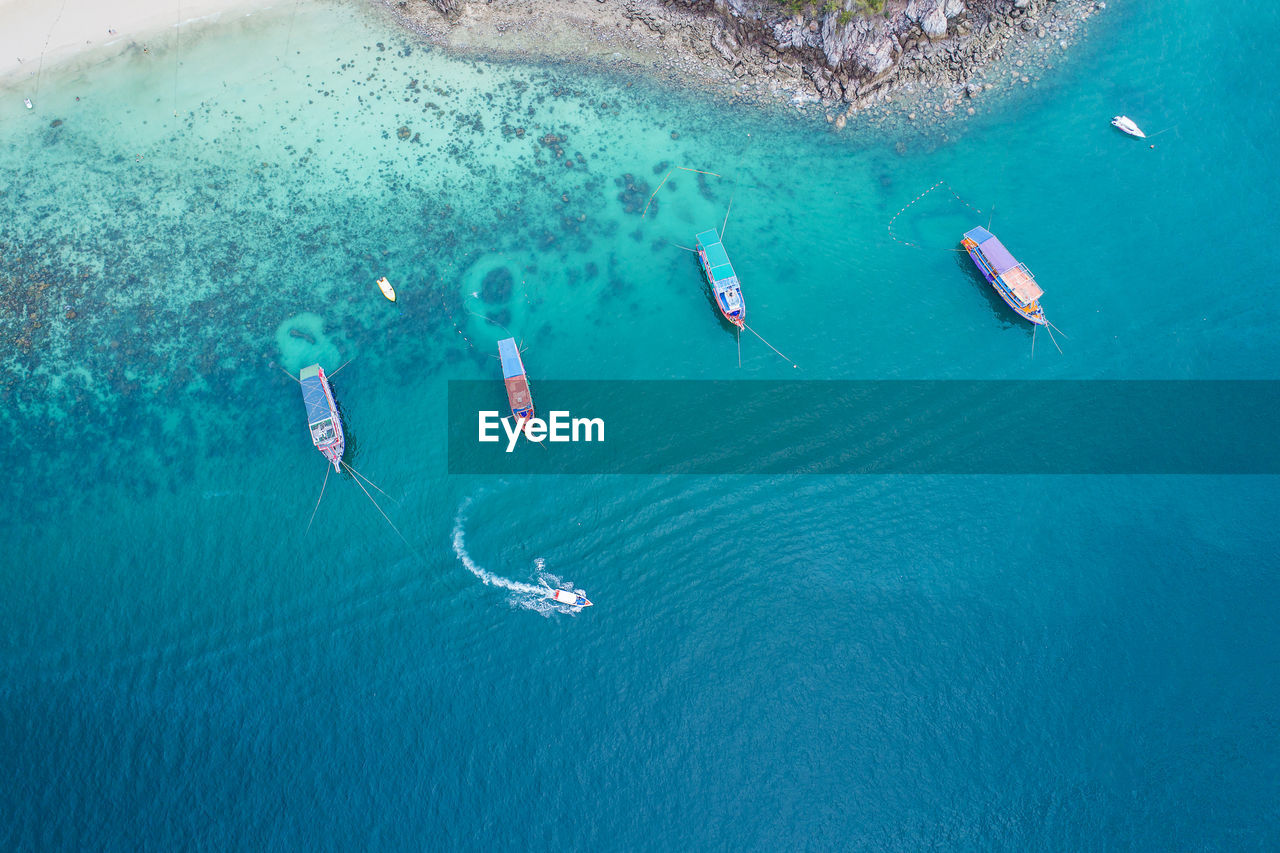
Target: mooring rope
{"type": "Point", "coordinates": [327, 469]}
{"type": "Point", "coordinates": [766, 343]}
{"type": "Point", "coordinates": [668, 175]}
{"type": "Point", "coordinates": [907, 207]}
{"type": "Point", "coordinates": [464, 337]}
{"type": "Point", "coordinates": [1050, 331]}
{"type": "Point", "coordinates": [654, 193]}
{"type": "Point", "coordinates": [491, 320]}
{"type": "Point", "coordinates": [285, 372]}
{"type": "Point", "coordinates": [384, 517]}
{"type": "Point", "coordinates": [346, 465]}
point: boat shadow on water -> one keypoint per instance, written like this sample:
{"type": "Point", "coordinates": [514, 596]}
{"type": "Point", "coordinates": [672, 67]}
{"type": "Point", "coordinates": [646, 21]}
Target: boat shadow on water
{"type": "Point", "coordinates": [1002, 312]}
{"type": "Point", "coordinates": [352, 445]}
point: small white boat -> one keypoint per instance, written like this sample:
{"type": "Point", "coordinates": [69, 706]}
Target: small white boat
{"type": "Point", "coordinates": [1128, 125]}
{"type": "Point", "coordinates": [27, 101]}
{"type": "Point", "coordinates": [386, 288]}
{"type": "Point", "coordinates": [563, 596]}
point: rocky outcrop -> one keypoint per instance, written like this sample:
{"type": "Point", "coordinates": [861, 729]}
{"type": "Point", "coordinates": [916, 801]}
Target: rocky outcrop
{"type": "Point", "coordinates": [837, 51]}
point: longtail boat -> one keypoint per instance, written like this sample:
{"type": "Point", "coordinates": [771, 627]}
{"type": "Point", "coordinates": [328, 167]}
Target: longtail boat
{"type": "Point", "coordinates": [1012, 280]}
{"type": "Point", "coordinates": [721, 277]}
{"type": "Point", "coordinates": [322, 414]}
{"type": "Point", "coordinates": [516, 381]}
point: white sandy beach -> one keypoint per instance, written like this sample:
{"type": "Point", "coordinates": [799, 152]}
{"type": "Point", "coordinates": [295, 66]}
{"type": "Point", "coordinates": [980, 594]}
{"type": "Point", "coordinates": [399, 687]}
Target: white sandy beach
{"type": "Point", "coordinates": [58, 29]}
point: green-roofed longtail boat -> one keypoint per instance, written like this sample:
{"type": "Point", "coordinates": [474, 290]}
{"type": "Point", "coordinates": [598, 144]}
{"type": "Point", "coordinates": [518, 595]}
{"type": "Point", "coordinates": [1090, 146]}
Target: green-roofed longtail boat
{"type": "Point", "coordinates": [722, 278]}
{"type": "Point", "coordinates": [322, 414]}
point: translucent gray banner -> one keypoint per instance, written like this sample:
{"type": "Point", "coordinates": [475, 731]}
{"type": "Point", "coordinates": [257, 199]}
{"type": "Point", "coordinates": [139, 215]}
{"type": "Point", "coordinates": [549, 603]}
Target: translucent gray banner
{"type": "Point", "coordinates": [883, 427]}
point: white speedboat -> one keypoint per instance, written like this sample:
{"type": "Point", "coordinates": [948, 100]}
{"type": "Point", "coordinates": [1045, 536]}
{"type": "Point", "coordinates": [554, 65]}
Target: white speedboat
{"type": "Point", "coordinates": [1128, 125]}
{"type": "Point", "coordinates": [27, 101]}
{"type": "Point", "coordinates": [563, 596]}
{"type": "Point", "coordinates": [386, 288]}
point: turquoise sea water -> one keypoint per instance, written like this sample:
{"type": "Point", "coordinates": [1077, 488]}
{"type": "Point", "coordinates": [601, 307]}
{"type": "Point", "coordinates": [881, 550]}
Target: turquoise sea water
{"type": "Point", "coordinates": [771, 662]}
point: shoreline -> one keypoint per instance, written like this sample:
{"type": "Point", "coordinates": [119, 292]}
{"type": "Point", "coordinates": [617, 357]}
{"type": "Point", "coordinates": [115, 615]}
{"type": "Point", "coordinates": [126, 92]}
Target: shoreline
{"type": "Point", "coordinates": [1001, 45]}
{"type": "Point", "coordinates": [39, 36]}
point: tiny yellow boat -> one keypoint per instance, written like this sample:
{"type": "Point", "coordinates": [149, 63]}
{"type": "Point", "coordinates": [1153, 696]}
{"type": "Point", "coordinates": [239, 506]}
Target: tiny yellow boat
{"type": "Point", "coordinates": [386, 288]}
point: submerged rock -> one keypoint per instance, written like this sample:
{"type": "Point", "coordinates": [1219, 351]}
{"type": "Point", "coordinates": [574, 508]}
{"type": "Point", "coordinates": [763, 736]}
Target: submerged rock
{"type": "Point", "coordinates": [635, 194]}
{"type": "Point", "coordinates": [497, 285]}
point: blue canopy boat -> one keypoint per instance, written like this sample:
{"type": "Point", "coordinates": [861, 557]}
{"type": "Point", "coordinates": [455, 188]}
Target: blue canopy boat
{"type": "Point", "coordinates": [322, 414]}
{"type": "Point", "coordinates": [1012, 280]}
{"type": "Point", "coordinates": [516, 381]}
{"type": "Point", "coordinates": [721, 277]}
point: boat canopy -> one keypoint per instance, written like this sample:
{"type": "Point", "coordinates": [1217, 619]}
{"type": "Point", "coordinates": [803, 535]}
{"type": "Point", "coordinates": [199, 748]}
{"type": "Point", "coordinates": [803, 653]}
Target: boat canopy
{"type": "Point", "coordinates": [717, 257]}
{"type": "Point", "coordinates": [993, 250]}
{"type": "Point", "coordinates": [313, 395]}
{"type": "Point", "coordinates": [1024, 287]}
{"type": "Point", "coordinates": [1015, 275]}
{"type": "Point", "coordinates": [511, 363]}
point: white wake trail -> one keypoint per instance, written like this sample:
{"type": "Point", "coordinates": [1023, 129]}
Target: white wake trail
{"type": "Point", "coordinates": [527, 595]}
{"type": "Point", "coordinates": [488, 577]}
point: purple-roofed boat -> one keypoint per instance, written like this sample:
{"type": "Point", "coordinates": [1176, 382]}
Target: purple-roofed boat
{"type": "Point", "coordinates": [1012, 280]}
{"type": "Point", "coordinates": [322, 415]}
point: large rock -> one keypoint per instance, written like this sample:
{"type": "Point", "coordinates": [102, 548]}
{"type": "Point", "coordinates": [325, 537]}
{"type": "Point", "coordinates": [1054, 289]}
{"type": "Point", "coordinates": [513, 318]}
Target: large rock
{"type": "Point", "coordinates": [932, 15]}
{"type": "Point", "coordinates": [934, 24]}
{"type": "Point", "coordinates": [863, 43]}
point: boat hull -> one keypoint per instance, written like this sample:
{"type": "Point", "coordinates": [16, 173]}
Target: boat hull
{"type": "Point", "coordinates": [572, 599]}
{"type": "Point", "coordinates": [1127, 125]}
{"type": "Point", "coordinates": [519, 397]}
{"type": "Point", "coordinates": [724, 297]}
{"type": "Point", "coordinates": [726, 292]}
{"type": "Point", "coordinates": [1032, 314]}
{"type": "Point", "coordinates": [386, 288]}
{"type": "Point", "coordinates": [323, 417]}
{"type": "Point", "coordinates": [738, 318]}
{"type": "Point", "coordinates": [334, 450]}
{"type": "Point", "coordinates": [1036, 316]}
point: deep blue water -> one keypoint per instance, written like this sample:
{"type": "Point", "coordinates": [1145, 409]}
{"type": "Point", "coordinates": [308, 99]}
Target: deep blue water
{"type": "Point", "coordinates": [963, 662]}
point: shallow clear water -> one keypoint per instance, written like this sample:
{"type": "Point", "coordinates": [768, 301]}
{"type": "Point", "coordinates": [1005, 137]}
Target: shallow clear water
{"type": "Point", "coordinates": [995, 662]}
